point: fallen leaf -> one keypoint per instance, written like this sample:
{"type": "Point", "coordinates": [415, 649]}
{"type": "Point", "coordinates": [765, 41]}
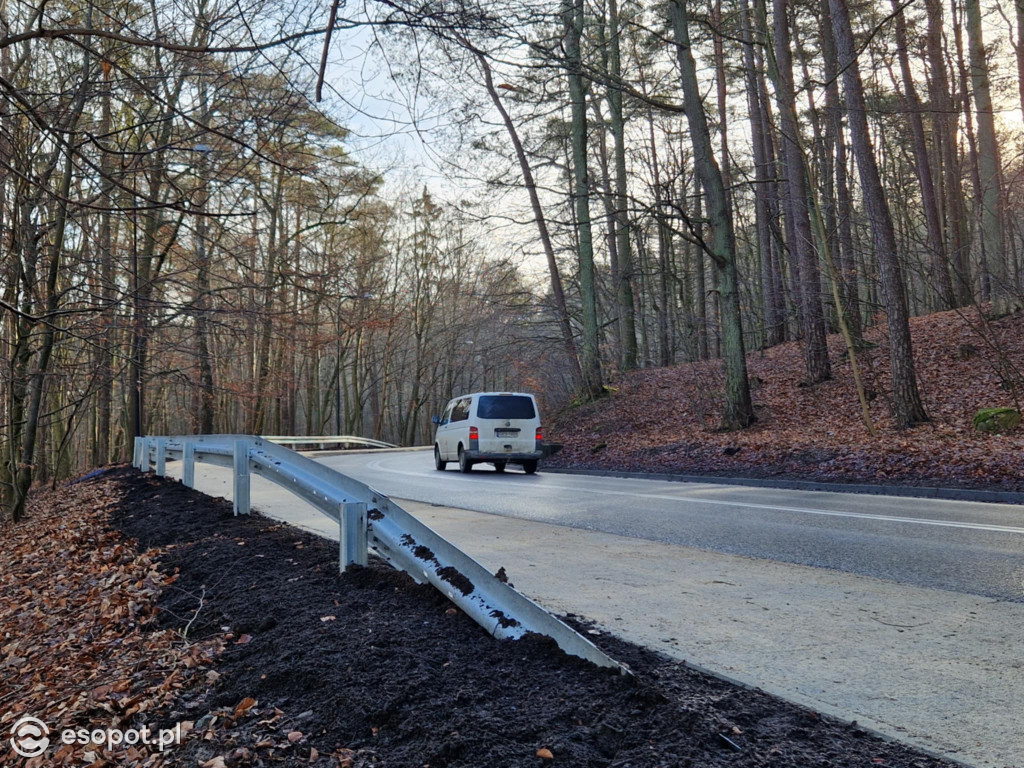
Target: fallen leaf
{"type": "Point", "coordinates": [294, 736]}
{"type": "Point", "coordinates": [545, 754]}
{"type": "Point", "coordinates": [244, 706]}
{"type": "Point", "coordinates": [328, 618]}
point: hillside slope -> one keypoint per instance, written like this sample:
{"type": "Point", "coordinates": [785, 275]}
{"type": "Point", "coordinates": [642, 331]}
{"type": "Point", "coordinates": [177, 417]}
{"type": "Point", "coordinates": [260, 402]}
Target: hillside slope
{"type": "Point", "coordinates": [665, 419]}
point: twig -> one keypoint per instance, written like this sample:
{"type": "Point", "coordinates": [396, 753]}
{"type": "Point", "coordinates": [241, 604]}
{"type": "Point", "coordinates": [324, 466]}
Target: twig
{"type": "Point", "coordinates": [202, 601]}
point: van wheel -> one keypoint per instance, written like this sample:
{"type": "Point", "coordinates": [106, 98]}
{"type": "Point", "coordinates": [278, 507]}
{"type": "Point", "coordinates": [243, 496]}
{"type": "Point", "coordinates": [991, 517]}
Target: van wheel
{"type": "Point", "coordinates": [465, 465]}
{"type": "Point", "coordinates": [499, 466]}
{"type": "Point", "coordinates": [530, 467]}
{"type": "Point", "coordinates": [438, 464]}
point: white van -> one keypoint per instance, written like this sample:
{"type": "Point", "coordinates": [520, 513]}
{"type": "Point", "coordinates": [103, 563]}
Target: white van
{"type": "Point", "coordinates": [498, 428]}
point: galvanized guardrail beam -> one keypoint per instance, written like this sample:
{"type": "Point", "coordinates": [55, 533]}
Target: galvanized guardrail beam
{"type": "Point", "coordinates": [370, 520]}
{"type": "Point", "coordinates": [328, 440]}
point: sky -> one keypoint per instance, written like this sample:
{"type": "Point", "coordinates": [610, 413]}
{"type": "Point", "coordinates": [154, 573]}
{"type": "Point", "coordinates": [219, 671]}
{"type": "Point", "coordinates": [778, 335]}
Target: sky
{"type": "Point", "coordinates": [398, 130]}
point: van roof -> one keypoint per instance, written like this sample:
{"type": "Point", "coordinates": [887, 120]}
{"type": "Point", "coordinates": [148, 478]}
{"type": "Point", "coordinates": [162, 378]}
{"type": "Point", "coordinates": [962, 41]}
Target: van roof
{"type": "Point", "coordinates": [478, 394]}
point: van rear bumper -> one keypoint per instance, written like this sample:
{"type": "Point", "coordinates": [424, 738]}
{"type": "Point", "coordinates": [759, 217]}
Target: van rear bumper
{"type": "Point", "coordinates": [502, 456]}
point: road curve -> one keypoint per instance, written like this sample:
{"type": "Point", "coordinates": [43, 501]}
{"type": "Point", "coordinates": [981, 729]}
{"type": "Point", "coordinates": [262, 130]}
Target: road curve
{"type": "Point", "coordinates": [967, 547]}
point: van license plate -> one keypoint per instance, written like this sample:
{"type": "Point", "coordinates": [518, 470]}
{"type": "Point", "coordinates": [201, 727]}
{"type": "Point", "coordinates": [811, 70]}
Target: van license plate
{"type": "Point", "coordinates": [506, 432]}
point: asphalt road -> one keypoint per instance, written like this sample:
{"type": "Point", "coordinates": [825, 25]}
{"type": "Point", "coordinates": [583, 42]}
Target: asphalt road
{"type": "Point", "coordinates": [966, 547]}
{"type": "Point", "coordinates": [938, 669]}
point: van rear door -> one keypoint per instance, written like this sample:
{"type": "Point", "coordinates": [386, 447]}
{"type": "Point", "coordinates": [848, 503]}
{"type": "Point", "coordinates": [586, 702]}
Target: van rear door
{"type": "Point", "coordinates": [507, 423]}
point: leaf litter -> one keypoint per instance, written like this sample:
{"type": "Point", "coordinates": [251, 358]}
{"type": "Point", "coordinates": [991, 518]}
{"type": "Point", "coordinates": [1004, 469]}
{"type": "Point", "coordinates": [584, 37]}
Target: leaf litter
{"type": "Point", "coordinates": [665, 420]}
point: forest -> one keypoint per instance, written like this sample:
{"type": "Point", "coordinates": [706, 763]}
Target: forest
{"type": "Point", "coordinates": [195, 240]}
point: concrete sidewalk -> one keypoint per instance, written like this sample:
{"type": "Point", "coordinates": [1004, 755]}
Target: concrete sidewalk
{"type": "Point", "coordinates": [940, 670]}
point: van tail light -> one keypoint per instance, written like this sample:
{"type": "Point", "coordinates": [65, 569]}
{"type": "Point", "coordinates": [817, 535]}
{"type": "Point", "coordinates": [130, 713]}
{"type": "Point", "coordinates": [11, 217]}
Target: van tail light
{"type": "Point", "coordinates": [474, 438]}
{"type": "Point", "coordinates": [540, 435]}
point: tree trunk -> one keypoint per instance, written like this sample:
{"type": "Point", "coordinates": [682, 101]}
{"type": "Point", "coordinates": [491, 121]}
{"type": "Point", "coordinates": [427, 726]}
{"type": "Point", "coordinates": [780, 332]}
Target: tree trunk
{"type": "Point", "coordinates": [664, 237]}
{"type": "Point", "coordinates": [844, 211]}
{"type": "Point", "coordinates": [608, 202]}
{"type": "Point", "coordinates": [624, 286]}
{"type": "Point", "coordinates": [964, 106]}
{"type": "Point", "coordinates": [722, 96]}
{"type": "Point", "coordinates": [572, 17]}
{"type": "Point", "coordinates": [815, 349]}
{"type": "Point", "coordinates": [941, 288]}
{"type": "Point", "coordinates": [739, 410]}
{"type": "Point", "coordinates": [774, 321]}
{"type": "Point", "coordinates": [206, 386]}
{"type": "Point", "coordinates": [1019, 51]}
{"type": "Point", "coordinates": [561, 309]}
{"type": "Point", "coordinates": [105, 355]}
{"type": "Point", "coordinates": [700, 284]}
{"type": "Point", "coordinates": [1005, 297]}
{"type": "Point", "coordinates": [264, 362]}
{"type": "Point", "coordinates": [906, 400]}
{"type": "Point", "coordinates": [944, 121]}
{"type": "Point", "coordinates": [845, 272]}
{"type": "Point", "coordinates": [775, 183]}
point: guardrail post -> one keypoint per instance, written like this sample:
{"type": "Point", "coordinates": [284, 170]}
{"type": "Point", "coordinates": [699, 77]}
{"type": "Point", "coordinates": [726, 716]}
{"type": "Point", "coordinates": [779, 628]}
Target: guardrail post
{"type": "Point", "coordinates": [147, 450]}
{"type": "Point", "coordinates": [241, 477]}
{"type": "Point", "coordinates": [161, 456]}
{"type": "Point", "coordinates": [188, 464]}
{"type": "Point", "coordinates": [137, 453]}
{"type": "Point", "coordinates": [352, 524]}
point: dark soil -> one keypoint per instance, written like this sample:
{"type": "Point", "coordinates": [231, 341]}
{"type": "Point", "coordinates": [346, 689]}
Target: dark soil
{"type": "Point", "coordinates": [368, 668]}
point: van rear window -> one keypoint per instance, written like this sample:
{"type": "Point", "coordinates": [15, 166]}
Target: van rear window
{"type": "Point", "coordinates": [505, 407]}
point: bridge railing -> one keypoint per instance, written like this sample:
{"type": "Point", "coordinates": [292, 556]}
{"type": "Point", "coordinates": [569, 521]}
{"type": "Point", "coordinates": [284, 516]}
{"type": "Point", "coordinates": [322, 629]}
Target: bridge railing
{"type": "Point", "coordinates": [368, 520]}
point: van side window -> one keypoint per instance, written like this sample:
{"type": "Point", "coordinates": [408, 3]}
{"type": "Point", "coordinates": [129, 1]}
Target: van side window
{"type": "Point", "coordinates": [447, 414]}
{"type": "Point", "coordinates": [461, 410]}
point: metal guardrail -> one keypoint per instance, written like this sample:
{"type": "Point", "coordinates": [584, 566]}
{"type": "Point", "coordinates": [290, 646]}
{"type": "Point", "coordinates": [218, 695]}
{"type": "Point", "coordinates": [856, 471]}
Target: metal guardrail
{"type": "Point", "coordinates": [370, 520]}
{"type": "Point", "coordinates": [328, 440]}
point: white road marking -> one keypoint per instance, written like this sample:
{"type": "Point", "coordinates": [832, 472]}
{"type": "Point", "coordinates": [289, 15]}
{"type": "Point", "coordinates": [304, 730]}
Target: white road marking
{"type": "Point", "coordinates": [377, 465]}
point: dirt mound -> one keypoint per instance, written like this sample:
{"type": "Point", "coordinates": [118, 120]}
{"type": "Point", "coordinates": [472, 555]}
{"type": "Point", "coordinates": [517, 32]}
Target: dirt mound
{"type": "Point", "coordinates": [368, 668]}
{"type": "Point", "coordinates": [665, 419]}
